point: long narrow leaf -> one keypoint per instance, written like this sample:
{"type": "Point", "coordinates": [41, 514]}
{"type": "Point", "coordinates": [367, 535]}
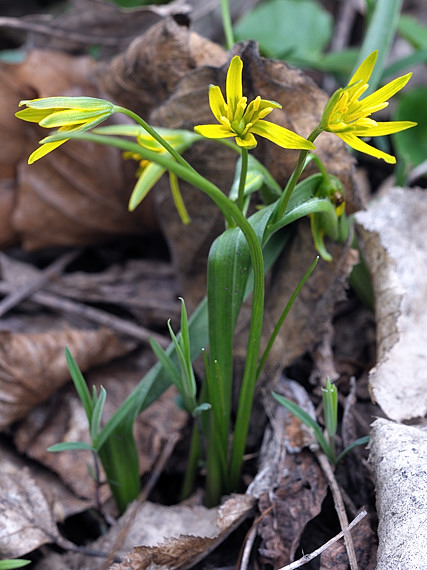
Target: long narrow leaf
{"type": "Point", "coordinates": [80, 384]}
{"type": "Point", "coordinates": [95, 424]}
{"type": "Point", "coordinates": [353, 444]}
{"type": "Point", "coordinates": [306, 419]}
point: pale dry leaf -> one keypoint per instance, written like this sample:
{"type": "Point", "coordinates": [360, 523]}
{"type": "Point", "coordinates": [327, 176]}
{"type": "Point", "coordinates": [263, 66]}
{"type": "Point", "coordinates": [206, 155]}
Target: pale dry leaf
{"type": "Point", "coordinates": [168, 537]}
{"type": "Point", "coordinates": [33, 366]}
{"type": "Point", "coordinates": [394, 235]}
{"type": "Point", "coordinates": [63, 503]}
{"type": "Point", "coordinates": [398, 456]}
{"type": "Point", "coordinates": [27, 521]}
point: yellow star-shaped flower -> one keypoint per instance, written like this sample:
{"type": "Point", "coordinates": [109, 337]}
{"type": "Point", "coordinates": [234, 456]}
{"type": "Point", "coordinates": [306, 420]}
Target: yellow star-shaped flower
{"type": "Point", "coordinates": [349, 117]}
{"type": "Point", "coordinates": [241, 120]}
{"type": "Point", "coordinates": [70, 114]}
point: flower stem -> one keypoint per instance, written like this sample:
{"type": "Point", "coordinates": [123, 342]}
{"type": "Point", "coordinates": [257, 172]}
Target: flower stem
{"type": "Point", "coordinates": [242, 183]}
{"type": "Point", "coordinates": [290, 186]}
{"type": "Point", "coordinates": [154, 134]}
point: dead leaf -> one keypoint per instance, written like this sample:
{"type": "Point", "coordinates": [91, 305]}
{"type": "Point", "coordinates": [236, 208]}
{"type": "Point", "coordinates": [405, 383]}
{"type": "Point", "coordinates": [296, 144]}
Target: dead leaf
{"type": "Point", "coordinates": [62, 418]}
{"type": "Point", "coordinates": [33, 366]}
{"type": "Point", "coordinates": [365, 546]}
{"type": "Point", "coordinates": [394, 236]}
{"type": "Point", "coordinates": [290, 484]}
{"type": "Point", "coordinates": [62, 502]}
{"type": "Point", "coordinates": [398, 455]}
{"type": "Point", "coordinates": [66, 198]}
{"type": "Point", "coordinates": [27, 521]}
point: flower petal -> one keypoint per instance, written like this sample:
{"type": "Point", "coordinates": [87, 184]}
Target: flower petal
{"type": "Point", "coordinates": [33, 115]}
{"type": "Point", "coordinates": [364, 71]}
{"type": "Point", "coordinates": [214, 131]}
{"type": "Point", "coordinates": [361, 146]}
{"type": "Point", "coordinates": [247, 141]}
{"type": "Point", "coordinates": [89, 103]}
{"type": "Point", "coordinates": [69, 117]}
{"type": "Point", "coordinates": [43, 150]}
{"type": "Point", "coordinates": [233, 86]}
{"type": "Point", "coordinates": [384, 128]}
{"type": "Point", "coordinates": [383, 94]}
{"type": "Point", "coordinates": [281, 136]}
{"type": "Point", "coordinates": [217, 103]}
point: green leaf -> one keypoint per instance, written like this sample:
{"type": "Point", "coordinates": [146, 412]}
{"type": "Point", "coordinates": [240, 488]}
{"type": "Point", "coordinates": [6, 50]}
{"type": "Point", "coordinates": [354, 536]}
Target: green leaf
{"type": "Point", "coordinates": [411, 145]}
{"type": "Point", "coordinates": [295, 28]}
{"type": "Point", "coordinates": [355, 443]}
{"type": "Point", "coordinates": [71, 446]}
{"type": "Point", "coordinates": [379, 35]}
{"type": "Point", "coordinates": [305, 418]}
{"type": "Point", "coordinates": [11, 564]}
{"type": "Point", "coordinates": [80, 384]}
{"type": "Point", "coordinates": [413, 31]}
{"type": "Point", "coordinates": [330, 406]}
{"type": "Point", "coordinates": [95, 424]}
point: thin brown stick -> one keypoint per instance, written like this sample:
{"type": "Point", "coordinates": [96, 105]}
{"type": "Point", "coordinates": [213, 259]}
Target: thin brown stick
{"type": "Point", "coordinates": [308, 557]}
{"type": "Point", "coordinates": [96, 315]}
{"type": "Point", "coordinates": [55, 268]}
{"type": "Point", "coordinates": [339, 505]}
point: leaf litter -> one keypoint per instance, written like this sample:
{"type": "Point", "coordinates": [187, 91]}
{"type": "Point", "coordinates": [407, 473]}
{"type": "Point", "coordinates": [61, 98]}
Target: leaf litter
{"type": "Point", "coordinates": [53, 207]}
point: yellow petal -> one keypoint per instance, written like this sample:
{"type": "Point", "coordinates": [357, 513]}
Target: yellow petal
{"type": "Point", "coordinates": [87, 103]}
{"type": "Point", "coordinates": [43, 150]}
{"type": "Point", "coordinates": [363, 72]}
{"type": "Point", "coordinates": [68, 117]}
{"type": "Point", "coordinates": [381, 129]}
{"type": "Point", "coordinates": [281, 136]}
{"type": "Point", "coordinates": [33, 115]}
{"type": "Point", "coordinates": [217, 103]}
{"type": "Point", "coordinates": [214, 131]}
{"type": "Point", "coordinates": [361, 146]}
{"type": "Point", "coordinates": [247, 141]}
{"type": "Point", "coordinates": [383, 94]}
{"type": "Point", "coordinates": [234, 84]}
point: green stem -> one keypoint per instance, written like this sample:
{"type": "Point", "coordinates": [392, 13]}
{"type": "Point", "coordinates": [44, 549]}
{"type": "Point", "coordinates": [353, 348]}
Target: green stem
{"type": "Point", "coordinates": [242, 183]}
{"type": "Point", "coordinates": [283, 316]}
{"type": "Point", "coordinates": [154, 134]}
{"type": "Point", "coordinates": [292, 182]}
{"type": "Point", "coordinates": [227, 24]}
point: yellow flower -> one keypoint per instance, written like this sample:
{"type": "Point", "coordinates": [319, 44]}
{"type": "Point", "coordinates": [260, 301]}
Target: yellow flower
{"type": "Point", "coordinates": [241, 120]}
{"type": "Point", "coordinates": [70, 114]}
{"type": "Point", "coordinates": [348, 117]}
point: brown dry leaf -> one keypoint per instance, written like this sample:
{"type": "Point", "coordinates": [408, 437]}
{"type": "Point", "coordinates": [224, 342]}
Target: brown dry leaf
{"type": "Point", "coordinates": [289, 478]}
{"type": "Point", "coordinates": [33, 366]}
{"type": "Point", "coordinates": [62, 418]}
{"type": "Point", "coordinates": [100, 23]}
{"type": "Point", "coordinates": [27, 521]}
{"type": "Point", "coordinates": [365, 546]}
{"type": "Point", "coordinates": [394, 236]}
{"type": "Point", "coordinates": [66, 198]}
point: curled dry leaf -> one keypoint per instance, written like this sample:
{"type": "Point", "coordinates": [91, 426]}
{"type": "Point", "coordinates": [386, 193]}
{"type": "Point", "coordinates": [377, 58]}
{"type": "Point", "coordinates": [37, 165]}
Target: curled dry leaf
{"type": "Point", "coordinates": [394, 235]}
{"type": "Point", "coordinates": [26, 520]}
{"type": "Point", "coordinates": [398, 455]}
{"type": "Point", "coordinates": [33, 366]}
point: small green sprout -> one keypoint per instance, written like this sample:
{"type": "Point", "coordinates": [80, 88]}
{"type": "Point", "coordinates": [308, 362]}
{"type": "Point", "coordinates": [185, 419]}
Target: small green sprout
{"type": "Point", "coordinates": [330, 406]}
